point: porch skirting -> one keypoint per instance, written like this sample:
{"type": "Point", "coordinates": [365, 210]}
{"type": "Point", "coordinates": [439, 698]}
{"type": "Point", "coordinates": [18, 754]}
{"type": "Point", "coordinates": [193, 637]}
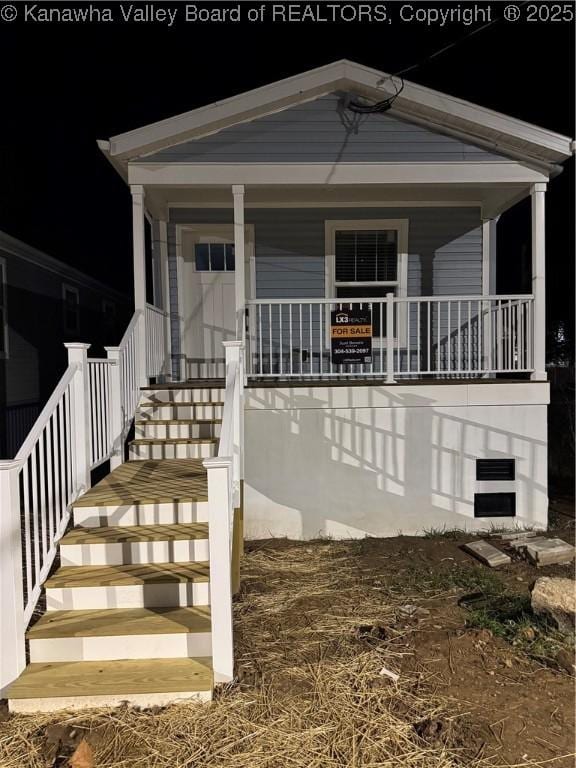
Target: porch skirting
{"type": "Point", "coordinates": [347, 462]}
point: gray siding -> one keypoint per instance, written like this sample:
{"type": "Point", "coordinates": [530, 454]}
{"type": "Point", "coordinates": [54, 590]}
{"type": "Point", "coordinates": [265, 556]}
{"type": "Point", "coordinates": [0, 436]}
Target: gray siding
{"type": "Point", "coordinates": [444, 245]}
{"type": "Point", "coordinates": [321, 131]}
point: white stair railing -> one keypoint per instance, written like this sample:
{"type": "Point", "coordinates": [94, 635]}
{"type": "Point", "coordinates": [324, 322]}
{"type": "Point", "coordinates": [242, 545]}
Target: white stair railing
{"type": "Point", "coordinates": [225, 475]}
{"type": "Point", "coordinates": [83, 424]}
{"type": "Point", "coordinates": [157, 342]}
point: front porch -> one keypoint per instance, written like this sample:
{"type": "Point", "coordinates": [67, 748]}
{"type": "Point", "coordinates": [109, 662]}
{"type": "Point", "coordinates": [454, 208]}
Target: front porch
{"type": "Point", "coordinates": [429, 291]}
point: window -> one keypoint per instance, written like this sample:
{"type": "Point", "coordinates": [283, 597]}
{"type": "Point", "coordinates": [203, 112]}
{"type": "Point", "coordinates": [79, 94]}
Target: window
{"type": "Point", "coordinates": [369, 260]}
{"type": "Point", "coordinates": [3, 311]}
{"type": "Point", "coordinates": [494, 504]}
{"type": "Point", "coordinates": [214, 257]}
{"type": "Point", "coordinates": [71, 309]}
{"type": "Point", "coordinates": [366, 256]}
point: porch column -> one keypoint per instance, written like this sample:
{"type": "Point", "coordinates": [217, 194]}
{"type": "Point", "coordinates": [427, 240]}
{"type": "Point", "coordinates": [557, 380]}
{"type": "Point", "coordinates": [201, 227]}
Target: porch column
{"type": "Point", "coordinates": [488, 289]}
{"type": "Point", "coordinates": [239, 240]}
{"type": "Point", "coordinates": [139, 255]}
{"type": "Point", "coordinates": [165, 292]}
{"type": "Point", "coordinates": [539, 280]}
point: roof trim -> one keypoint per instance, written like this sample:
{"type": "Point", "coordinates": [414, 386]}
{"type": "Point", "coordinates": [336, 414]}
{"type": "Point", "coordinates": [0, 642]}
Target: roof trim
{"type": "Point", "coordinates": [470, 120]}
{"type": "Point", "coordinates": [20, 249]}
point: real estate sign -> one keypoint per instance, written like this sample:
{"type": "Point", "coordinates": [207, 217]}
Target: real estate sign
{"type": "Point", "coordinates": [351, 336]}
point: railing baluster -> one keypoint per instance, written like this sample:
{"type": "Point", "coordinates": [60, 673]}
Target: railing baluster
{"type": "Point", "coordinates": [49, 480]}
{"type": "Point", "coordinates": [480, 339]}
{"type": "Point", "coordinates": [260, 334]}
{"type": "Point", "coordinates": [271, 371]}
{"type": "Point", "coordinates": [27, 531]}
{"type": "Point", "coordinates": [290, 341]}
{"type": "Point", "coordinates": [311, 352]}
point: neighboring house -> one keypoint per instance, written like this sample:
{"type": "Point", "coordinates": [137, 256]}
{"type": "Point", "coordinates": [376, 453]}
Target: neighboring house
{"type": "Point", "coordinates": [371, 381]}
{"type": "Point", "coordinates": [44, 303]}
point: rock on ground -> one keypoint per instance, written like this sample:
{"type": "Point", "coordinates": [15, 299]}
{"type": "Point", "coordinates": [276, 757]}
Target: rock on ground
{"type": "Point", "coordinates": [555, 599]}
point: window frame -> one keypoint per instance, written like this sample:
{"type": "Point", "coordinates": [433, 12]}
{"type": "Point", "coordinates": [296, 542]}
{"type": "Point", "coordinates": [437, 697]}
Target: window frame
{"type": "Point", "coordinates": [211, 271]}
{"type": "Point", "coordinates": [5, 354]}
{"type": "Point", "coordinates": [400, 226]}
{"type": "Point", "coordinates": [72, 289]}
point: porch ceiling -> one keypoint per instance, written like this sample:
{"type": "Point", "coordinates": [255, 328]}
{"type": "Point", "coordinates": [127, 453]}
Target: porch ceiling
{"type": "Point", "coordinates": [492, 199]}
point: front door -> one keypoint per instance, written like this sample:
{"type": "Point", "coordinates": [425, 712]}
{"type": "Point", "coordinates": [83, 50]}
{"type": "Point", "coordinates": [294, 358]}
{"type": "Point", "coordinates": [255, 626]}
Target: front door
{"type": "Point", "coordinates": [209, 300]}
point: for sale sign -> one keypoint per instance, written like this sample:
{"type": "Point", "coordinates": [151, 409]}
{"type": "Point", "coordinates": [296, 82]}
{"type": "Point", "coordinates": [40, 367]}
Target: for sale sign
{"type": "Point", "coordinates": [351, 336]}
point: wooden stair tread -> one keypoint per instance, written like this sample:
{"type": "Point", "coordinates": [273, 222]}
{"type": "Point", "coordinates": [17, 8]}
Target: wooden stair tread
{"type": "Point", "coordinates": [121, 621]}
{"type": "Point", "coordinates": [96, 678]}
{"type": "Point", "coordinates": [163, 403]}
{"type": "Point", "coordinates": [127, 575]}
{"type": "Point", "coordinates": [136, 533]}
{"type": "Point", "coordinates": [153, 481]}
{"type": "Point", "coordinates": [188, 384]}
{"type": "Point", "coordinates": [173, 440]}
{"type": "Point", "coordinates": [179, 421]}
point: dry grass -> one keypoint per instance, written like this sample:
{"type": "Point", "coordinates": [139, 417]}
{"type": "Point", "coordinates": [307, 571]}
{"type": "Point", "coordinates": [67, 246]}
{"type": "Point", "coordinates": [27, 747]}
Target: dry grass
{"type": "Point", "coordinates": [310, 694]}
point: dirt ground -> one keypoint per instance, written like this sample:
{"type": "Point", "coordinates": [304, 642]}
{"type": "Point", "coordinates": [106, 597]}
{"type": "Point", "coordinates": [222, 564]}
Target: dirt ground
{"type": "Point", "coordinates": [507, 680]}
{"type": "Point", "coordinates": [321, 630]}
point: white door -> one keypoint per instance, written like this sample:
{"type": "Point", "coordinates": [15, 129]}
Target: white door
{"type": "Point", "coordinates": [209, 301]}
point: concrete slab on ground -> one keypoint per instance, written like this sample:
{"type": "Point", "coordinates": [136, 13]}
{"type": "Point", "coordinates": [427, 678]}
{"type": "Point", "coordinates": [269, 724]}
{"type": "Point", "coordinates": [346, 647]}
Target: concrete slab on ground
{"type": "Point", "coordinates": [549, 551]}
{"type": "Point", "coordinates": [487, 553]}
{"type": "Point", "coordinates": [517, 535]}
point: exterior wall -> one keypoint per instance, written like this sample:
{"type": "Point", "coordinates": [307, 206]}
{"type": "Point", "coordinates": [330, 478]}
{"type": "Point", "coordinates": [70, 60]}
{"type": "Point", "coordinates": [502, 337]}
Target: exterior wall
{"type": "Point", "coordinates": [36, 334]}
{"type": "Point", "coordinates": [444, 251]}
{"type": "Point", "coordinates": [444, 244]}
{"type": "Point", "coordinates": [379, 461]}
{"type": "Point", "coordinates": [323, 131]}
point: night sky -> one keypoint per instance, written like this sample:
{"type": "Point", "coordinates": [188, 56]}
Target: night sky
{"type": "Point", "coordinates": [64, 86]}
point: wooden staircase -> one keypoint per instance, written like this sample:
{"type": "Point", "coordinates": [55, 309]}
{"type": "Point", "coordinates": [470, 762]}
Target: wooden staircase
{"type": "Point", "coordinates": [128, 611]}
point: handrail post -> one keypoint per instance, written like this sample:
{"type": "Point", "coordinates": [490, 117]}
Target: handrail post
{"type": "Point", "coordinates": [234, 354]}
{"type": "Point", "coordinates": [12, 629]}
{"type": "Point", "coordinates": [78, 356]}
{"type": "Point", "coordinates": [116, 415]}
{"type": "Point", "coordinates": [390, 338]}
{"type": "Point", "coordinates": [220, 542]}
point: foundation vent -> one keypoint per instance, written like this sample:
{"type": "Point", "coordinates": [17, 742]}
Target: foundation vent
{"type": "Point", "coordinates": [495, 469]}
{"type": "Point", "coordinates": [494, 504]}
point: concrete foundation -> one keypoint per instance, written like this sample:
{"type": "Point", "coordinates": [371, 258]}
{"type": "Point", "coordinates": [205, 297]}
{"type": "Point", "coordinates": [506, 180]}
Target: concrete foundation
{"type": "Point", "coordinates": [354, 461]}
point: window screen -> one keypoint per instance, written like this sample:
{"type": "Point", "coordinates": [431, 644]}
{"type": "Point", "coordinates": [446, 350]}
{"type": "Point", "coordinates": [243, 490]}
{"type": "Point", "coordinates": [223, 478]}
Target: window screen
{"type": "Point", "coordinates": [214, 257]}
{"type": "Point", "coordinates": [366, 256]}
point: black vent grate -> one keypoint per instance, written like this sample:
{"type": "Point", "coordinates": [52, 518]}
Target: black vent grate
{"type": "Point", "coordinates": [494, 504]}
{"type": "Point", "coordinates": [495, 469]}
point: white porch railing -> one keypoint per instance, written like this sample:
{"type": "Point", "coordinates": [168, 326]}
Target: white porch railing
{"type": "Point", "coordinates": [83, 424]}
{"type": "Point", "coordinates": [157, 340]}
{"type": "Point", "coordinates": [225, 473]}
{"type": "Point", "coordinates": [412, 337]}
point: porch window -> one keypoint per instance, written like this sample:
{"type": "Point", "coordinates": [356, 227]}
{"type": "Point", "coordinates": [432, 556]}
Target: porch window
{"type": "Point", "coordinates": [214, 257]}
{"type": "Point", "coordinates": [71, 309]}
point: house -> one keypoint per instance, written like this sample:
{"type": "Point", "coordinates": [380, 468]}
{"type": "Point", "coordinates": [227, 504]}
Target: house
{"type": "Point", "coordinates": [326, 355]}
{"type": "Point", "coordinates": [44, 303]}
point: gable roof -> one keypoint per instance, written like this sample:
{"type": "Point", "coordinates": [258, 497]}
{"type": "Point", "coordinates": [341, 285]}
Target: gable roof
{"type": "Point", "coordinates": [416, 103]}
